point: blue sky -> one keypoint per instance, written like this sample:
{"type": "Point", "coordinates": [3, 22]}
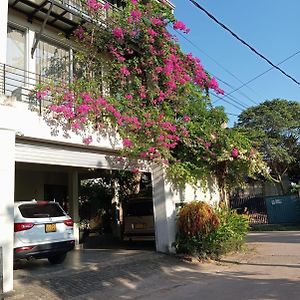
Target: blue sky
{"type": "Point", "coordinates": [270, 26]}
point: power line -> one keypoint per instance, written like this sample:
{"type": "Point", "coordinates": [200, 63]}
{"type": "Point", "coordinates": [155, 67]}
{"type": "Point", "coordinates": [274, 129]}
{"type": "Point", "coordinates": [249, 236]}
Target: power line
{"type": "Point", "coordinates": [219, 79]}
{"type": "Point", "coordinates": [229, 85]}
{"type": "Point", "coordinates": [261, 74]}
{"type": "Point", "coordinates": [231, 98]}
{"type": "Point", "coordinates": [218, 64]}
{"type": "Point", "coordinates": [237, 101]}
{"type": "Point", "coordinates": [231, 114]}
{"type": "Point", "coordinates": [243, 42]}
{"type": "Point", "coordinates": [227, 101]}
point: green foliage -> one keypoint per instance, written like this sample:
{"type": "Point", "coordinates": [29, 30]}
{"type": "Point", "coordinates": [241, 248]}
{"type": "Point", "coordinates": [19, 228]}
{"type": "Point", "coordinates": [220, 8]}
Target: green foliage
{"type": "Point", "coordinates": [274, 126]}
{"type": "Point", "coordinates": [94, 195]}
{"type": "Point", "coordinates": [230, 235]}
{"type": "Point", "coordinates": [134, 82]}
{"type": "Point", "coordinates": [206, 241]}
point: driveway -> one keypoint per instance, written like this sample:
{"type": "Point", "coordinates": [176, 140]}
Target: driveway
{"type": "Point", "coordinates": [270, 269]}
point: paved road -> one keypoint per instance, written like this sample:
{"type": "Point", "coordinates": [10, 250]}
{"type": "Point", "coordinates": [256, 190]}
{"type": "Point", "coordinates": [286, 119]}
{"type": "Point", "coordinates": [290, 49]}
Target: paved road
{"type": "Point", "coordinates": [269, 270]}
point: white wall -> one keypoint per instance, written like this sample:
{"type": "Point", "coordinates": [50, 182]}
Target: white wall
{"type": "Point", "coordinates": [7, 173]}
{"type": "Point", "coordinates": [29, 124]}
{"type": "Point", "coordinates": [3, 29]}
{"type": "Point", "coordinates": [165, 197]}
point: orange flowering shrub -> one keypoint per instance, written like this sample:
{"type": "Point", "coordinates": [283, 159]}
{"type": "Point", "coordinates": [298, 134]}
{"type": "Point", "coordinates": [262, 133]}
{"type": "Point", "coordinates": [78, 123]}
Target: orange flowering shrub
{"type": "Point", "coordinates": [205, 231]}
{"type": "Point", "coordinates": [197, 218]}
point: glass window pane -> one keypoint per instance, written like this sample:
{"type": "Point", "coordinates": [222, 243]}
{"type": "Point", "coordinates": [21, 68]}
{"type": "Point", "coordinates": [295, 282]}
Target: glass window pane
{"type": "Point", "coordinates": [15, 59]}
{"type": "Point", "coordinates": [52, 61]}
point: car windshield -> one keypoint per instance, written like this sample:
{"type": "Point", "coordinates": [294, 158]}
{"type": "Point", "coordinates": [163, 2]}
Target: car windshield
{"type": "Point", "coordinates": [44, 210]}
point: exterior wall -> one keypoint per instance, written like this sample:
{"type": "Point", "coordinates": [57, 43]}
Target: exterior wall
{"type": "Point", "coordinates": [208, 193]}
{"type": "Point", "coordinates": [29, 124]}
{"type": "Point", "coordinates": [165, 198]}
{"type": "Point", "coordinates": [7, 171]}
{"type": "Point", "coordinates": [3, 29]}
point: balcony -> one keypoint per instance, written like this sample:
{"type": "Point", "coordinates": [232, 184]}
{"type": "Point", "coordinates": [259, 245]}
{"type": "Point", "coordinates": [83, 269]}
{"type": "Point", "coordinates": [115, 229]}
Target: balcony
{"type": "Point", "coordinates": [20, 84]}
{"type": "Point", "coordinates": [64, 15]}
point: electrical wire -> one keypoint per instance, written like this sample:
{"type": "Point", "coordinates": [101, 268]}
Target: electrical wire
{"type": "Point", "coordinates": [229, 85]}
{"type": "Point", "coordinates": [220, 65]}
{"type": "Point", "coordinates": [243, 41]}
{"type": "Point", "coordinates": [227, 101]}
{"type": "Point", "coordinates": [261, 74]}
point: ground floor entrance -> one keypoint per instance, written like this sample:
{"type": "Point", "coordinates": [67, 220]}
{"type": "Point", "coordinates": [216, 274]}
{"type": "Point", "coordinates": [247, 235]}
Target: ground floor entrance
{"type": "Point", "coordinates": [112, 207]}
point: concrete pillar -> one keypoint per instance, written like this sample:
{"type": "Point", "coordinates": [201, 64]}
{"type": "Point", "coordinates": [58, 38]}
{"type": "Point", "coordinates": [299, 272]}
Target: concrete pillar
{"type": "Point", "coordinates": [7, 182]}
{"type": "Point", "coordinates": [164, 212]}
{"type": "Point", "coordinates": [3, 29]}
{"type": "Point", "coordinates": [116, 210]}
{"type": "Point", "coordinates": [74, 202]}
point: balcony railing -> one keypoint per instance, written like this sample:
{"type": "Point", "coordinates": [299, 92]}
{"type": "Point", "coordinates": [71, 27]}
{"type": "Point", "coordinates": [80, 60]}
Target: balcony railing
{"type": "Point", "coordinates": [65, 15]}
{"type": "Point", "coordinates": [21, 84]}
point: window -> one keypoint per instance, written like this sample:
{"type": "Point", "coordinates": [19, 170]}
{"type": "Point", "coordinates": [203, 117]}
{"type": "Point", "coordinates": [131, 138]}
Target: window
{"type": "Point", "coordinates": [16, 47]}
{"type": "Point", "coordinates": [15, 59]}
{"type": "Point", "coordinates": [52, 60]}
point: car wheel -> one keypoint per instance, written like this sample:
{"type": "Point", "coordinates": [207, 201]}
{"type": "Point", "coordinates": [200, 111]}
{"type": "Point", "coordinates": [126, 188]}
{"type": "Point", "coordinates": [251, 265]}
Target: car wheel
{"type": "Point", "coordinates": [57, 259]}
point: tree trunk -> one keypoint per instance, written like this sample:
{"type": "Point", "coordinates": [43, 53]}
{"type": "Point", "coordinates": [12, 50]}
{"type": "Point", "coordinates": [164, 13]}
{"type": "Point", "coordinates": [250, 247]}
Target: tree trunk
{"type": "Point", "coordinates": [221, 177]}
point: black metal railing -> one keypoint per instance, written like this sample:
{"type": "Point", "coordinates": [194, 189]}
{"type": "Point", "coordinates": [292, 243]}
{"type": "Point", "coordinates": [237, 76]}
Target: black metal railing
{"type": "Point", "coordinates": [252, 206]}
{"type": "Point", "coordinates": [64, 15]}
{"type": "Point", "coordinates": [21, 84]}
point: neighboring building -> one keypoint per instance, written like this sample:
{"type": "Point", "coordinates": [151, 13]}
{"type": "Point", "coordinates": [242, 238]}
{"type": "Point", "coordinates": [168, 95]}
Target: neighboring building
{"type": "Point", "coordinates": [38, 163]}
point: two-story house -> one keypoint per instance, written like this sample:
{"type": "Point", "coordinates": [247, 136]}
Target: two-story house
{"type": "Point", "coordinates": [34, 159]}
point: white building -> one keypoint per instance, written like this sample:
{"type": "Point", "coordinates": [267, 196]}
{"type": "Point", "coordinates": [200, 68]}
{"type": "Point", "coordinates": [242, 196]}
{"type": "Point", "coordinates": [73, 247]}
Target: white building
{"type": "Point", "coordinates": [34, 159]}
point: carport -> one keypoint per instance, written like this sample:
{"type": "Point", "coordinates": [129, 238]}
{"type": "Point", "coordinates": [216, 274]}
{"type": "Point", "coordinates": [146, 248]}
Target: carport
{"type": "Point", "coordinates": [19, 153]}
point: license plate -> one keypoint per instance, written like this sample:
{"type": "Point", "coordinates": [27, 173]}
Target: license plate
{"type": "Point", "coordinates": [50, 227]}
{"type": "Point", "coordinates": [139, 226]}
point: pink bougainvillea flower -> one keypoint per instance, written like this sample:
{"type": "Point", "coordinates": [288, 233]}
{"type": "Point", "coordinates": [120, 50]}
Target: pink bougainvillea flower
{"type": "Point", "coordinates": [41, 95]}
{"type": "Point", "coordinates": [178, 25]}
{"type": "Point", "coordinates": [118, 33]}
{"type": "Point", "coordinates": [152, 32]}
{"type": "Point", "coordinates": [207, 145]}
{"type": "Point", "coordinates": [134, 2]}
{"type": "Point", "coordinates": [135, 171]}
{"type": "Point", "coordinates": [151, 149]}
{"type": "Point", "coordinates": [136, 14]}
{"type": "Point", "coordinates": [106, 6]}
{"type": "Point", "coordinates": [213, 84]}
{"type": "Point", "coordinates": [87, 140]}
{"type": "Point", "coordinates": [124, 71]}
{"type": "Point", "coordinates": [128, 97]}
{"type": "Point", "coordinates": [127, 143]}
{"type": "Point", "coordinates": [186, 118]}
{"type": "Point", "coordinates": [94, 4]}
{"type": "Point", "coordinates": [234, 152]}
{"type": "Point", "coordinates": [79, 33]}
{"type": "Point", "coordinates": [156, 21]}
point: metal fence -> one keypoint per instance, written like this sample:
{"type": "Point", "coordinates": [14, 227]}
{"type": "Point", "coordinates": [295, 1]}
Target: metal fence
{"type": "Point", "coordinates": [253, 206]}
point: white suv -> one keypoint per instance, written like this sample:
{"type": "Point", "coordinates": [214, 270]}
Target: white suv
{"type": "Point", "coordinates": [42, 230]}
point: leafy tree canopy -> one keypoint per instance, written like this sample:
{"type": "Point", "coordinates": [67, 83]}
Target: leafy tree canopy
{"type": "Point", "coordinates": [274, 126]}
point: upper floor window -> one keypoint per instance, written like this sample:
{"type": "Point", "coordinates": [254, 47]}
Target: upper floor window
{"type": "Point", "coordinates": [16, 47]}
{"type": "Point", "coordinates": [15, 59]}
{"type": "Point", "coordinates": [52, 60]}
